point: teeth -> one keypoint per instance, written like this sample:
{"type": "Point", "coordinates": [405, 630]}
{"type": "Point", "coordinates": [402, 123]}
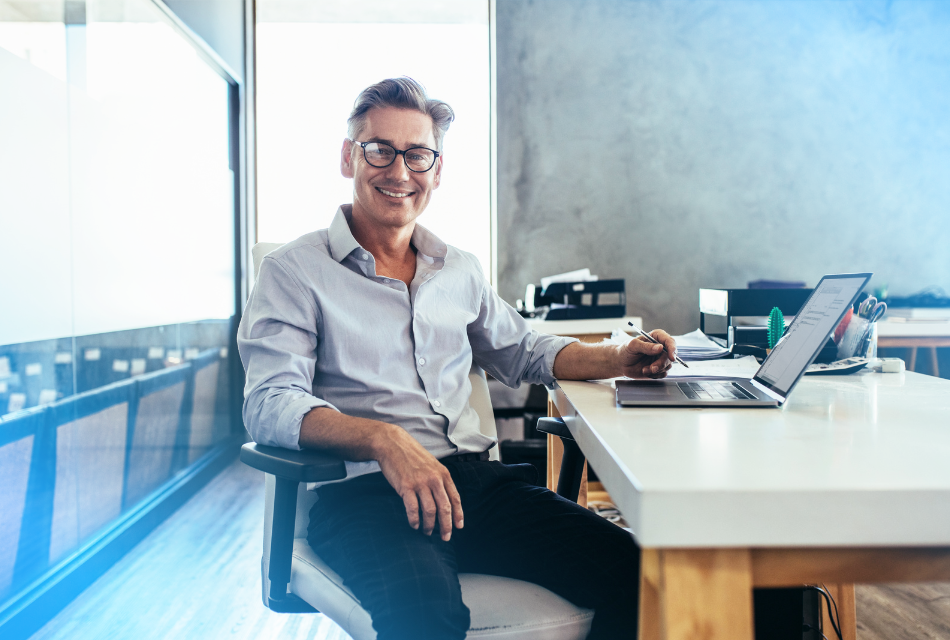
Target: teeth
{"type": "Point", "coordinates": [394, 195]}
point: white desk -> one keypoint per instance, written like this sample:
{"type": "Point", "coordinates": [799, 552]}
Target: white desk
{"type": "Point", "coordinates": [928, 335]}
{"type": "Point", "coordinates": [848, 482]}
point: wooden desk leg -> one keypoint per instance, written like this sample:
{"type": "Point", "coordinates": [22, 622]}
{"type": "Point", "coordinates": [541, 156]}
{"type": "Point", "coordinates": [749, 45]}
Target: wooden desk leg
{"type": "Point", "coordinates": [648, 621]}
{"type": "Point", "coordinates": [934, 364]}
{"type": "Point", "coordinates": [706, 593]}
{"type": "Point", "coordinates": [843, 595]}
{"type": "Point", "coordinates": [913, 359]}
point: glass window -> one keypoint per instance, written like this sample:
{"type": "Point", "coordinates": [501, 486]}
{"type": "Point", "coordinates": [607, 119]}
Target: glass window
{"type": "Point", "coordinates": [117, 269]}
{"type": "Point", "coordinates": [313, 59]}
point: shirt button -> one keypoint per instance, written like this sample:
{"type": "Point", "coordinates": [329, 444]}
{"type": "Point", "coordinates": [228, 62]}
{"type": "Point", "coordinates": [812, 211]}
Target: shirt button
{"type": "Point", "coordinates": [437, 403]}
{"type": "Point", "coordinates": [422, 360]}
{"type": "Point", "coordinates": [365, 256]}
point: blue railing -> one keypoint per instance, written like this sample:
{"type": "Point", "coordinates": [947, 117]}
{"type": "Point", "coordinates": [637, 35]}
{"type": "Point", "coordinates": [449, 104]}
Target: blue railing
{"type": "Point", "coordinates": [69, 468]}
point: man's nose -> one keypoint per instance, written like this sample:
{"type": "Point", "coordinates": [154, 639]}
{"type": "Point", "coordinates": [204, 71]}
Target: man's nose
{"type": "Point", "coordinates": [398, 169]}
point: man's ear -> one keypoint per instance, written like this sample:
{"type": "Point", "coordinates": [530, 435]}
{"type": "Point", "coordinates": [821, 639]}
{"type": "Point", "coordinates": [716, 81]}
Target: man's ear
{"type": "Point", "coordinates": [346, 158]}
{"type": "Point", "coordinates": [438, 172]}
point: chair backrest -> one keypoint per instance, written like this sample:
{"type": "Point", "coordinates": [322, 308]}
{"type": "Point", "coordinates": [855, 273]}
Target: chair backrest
{"type": "Point", "coordinates": [259, 250]}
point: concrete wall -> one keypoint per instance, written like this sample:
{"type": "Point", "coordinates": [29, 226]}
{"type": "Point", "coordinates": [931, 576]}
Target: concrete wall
{"type": "Point", "coordinates": [689, 144]}
{"type": "Point", "coordinates": [220, 23]}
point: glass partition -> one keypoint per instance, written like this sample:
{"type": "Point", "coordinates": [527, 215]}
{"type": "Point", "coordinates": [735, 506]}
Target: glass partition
{"type": "Point", "coordinates": [117, 269]}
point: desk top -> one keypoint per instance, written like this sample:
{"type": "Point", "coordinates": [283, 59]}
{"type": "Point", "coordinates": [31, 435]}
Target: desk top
{"type": "Point", "coordinates": [858, 460]}
{"type": "Point", "coordinates": [886, 329]}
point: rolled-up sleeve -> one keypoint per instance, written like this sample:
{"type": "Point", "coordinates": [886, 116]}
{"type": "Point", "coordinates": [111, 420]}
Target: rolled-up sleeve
{"type": "Point", "coordinates": [505, 345]}
{"type": "Point", "coordinates": [277, 341]}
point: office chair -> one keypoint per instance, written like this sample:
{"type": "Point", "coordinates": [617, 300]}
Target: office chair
{"type": "Point", "coordinates": [295, 580]}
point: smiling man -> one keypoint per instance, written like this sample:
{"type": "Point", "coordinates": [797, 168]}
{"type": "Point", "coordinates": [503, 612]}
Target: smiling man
{"type": "Point", "coordinates": [358, 340]}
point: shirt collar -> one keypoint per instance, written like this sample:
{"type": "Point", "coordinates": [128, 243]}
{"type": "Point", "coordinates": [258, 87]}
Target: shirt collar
{"type": "Point", "coordinates": [342, 243]}
{"type": "Point", "coordinates": [427, 243]}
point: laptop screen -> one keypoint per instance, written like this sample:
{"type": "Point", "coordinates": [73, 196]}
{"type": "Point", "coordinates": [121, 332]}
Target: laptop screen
{"type": "Point", "coordinates": [808, 333]}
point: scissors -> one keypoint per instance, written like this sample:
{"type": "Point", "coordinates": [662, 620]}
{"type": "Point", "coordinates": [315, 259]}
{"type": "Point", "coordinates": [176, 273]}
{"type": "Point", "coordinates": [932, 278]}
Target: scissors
{"type": "Point", "coordinates": [876, 312]}
{"type": "Point", "coordinates": [866, 308]}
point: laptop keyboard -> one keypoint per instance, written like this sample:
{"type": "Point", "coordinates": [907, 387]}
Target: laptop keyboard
{"type": "Point", "coordinates": [714, 391]}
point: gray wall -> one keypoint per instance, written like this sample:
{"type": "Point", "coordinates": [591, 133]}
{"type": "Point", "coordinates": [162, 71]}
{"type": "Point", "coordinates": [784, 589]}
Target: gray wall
{"type": "Point", "coordinates": [693, 144]}
{"type": "Point", "coordinates": [220, 23]}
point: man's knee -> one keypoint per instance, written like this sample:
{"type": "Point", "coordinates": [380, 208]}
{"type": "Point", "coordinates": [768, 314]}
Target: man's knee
{"type": "Point", "coordinates": [419, 607]}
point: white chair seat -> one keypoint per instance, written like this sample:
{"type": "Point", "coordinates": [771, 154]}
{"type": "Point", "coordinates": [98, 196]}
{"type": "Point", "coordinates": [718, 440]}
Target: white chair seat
{"type": "Point", "coordinates": [501, 607]}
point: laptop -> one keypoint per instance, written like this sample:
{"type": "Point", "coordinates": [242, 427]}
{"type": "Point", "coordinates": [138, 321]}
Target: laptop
{"type": "Point", "coordinates": [780, 371]}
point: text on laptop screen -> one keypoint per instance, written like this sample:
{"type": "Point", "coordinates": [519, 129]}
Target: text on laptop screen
{"type": "Point", "coordinates": [811, 328]}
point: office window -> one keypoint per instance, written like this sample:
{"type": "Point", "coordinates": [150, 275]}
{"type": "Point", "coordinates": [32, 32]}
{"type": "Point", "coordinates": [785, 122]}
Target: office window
{"type": "Point", "coordinates": [117, 269]}
{"type": "Point", "coordinates": [312, 61]}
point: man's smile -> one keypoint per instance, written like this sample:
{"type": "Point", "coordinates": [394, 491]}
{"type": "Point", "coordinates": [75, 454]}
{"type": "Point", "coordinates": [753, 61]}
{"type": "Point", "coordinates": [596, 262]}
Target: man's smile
{"type": "Point", "coordinates": [393, 194]}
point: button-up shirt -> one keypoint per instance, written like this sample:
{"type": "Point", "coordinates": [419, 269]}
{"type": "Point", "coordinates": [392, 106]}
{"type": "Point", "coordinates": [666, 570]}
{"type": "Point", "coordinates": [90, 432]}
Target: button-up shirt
{"type": "Point", "coordinates": [322, 329]}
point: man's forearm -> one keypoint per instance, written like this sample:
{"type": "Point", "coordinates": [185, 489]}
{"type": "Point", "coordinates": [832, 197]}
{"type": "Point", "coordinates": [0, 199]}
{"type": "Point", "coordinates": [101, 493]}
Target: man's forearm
{"type": "Point", "coordinates": [351, 438]}
{"type": "Point", "coordinates": [581, 361]}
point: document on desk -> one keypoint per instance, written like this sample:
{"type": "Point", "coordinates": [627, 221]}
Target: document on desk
{"type": "Point", "coordinates": [744, 368]}
{"type": "Point", "coordinates": [696, 346]}
{"type": "Point", "coordinates": [739, 369]}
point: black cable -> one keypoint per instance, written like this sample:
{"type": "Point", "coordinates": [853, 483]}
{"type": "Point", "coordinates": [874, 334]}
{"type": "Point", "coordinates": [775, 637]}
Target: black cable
{"type": "Point", "coordinates": [836, 618]}
{"type": "Point", "coordinates": [832, 609]}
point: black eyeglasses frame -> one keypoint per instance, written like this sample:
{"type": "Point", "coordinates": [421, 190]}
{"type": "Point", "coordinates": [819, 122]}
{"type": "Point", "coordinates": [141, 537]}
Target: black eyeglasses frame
{"type": "Point", "coordinates": [398, 153]}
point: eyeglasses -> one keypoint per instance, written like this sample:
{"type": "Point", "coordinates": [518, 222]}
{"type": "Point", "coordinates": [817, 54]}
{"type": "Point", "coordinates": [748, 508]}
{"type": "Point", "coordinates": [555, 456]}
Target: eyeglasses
{"type": "Point", "coordinates": [380, 154]}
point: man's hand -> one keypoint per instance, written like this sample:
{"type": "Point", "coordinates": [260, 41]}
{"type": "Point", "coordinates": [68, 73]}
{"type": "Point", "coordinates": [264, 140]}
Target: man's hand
{"type": "Point", "coordinates": [641, 358]}
{"type": "Point", "coordinates": [423, 483]}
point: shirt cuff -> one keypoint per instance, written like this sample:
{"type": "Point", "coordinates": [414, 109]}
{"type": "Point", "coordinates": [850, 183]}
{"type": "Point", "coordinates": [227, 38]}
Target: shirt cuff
{"type": "Point", "coordinates": [558, 343]}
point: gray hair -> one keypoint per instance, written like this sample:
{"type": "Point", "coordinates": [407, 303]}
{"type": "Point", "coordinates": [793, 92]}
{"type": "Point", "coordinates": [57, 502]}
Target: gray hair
{"type": "Point", "coordinates": [401, 93]}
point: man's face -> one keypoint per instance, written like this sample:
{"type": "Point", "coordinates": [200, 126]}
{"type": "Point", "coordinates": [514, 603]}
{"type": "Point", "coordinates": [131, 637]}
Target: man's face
{"type": "Point", "coordinates": [391, 196]}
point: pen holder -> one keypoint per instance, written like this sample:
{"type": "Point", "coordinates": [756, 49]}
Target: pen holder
{"type": "Point", "coordinates": [868, 349]}
{"type": "Point", "coordinates": [859, 340]}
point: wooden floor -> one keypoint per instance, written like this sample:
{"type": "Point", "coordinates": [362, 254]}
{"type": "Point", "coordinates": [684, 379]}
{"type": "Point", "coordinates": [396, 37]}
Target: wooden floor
{"type": "Point", "coordinates": [198, 576]}
{"type": "Point", "coordinates": [903, 612]}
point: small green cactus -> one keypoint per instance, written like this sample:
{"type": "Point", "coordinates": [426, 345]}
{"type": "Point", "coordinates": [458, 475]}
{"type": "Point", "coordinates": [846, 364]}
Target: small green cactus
{"type": "Point", "coordinates": [776, 326]}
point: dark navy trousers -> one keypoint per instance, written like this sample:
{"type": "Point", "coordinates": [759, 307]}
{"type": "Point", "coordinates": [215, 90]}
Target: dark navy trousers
{"type": "Point", "coordinates": [408, 581]}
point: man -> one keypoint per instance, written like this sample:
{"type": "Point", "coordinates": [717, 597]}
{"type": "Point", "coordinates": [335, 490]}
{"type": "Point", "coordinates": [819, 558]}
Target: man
{"type": "Point", "coordinates": [358, 340]}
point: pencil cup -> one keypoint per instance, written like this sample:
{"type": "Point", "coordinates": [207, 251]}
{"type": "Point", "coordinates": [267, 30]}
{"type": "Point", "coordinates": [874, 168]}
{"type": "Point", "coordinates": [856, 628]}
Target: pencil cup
{"type": "Point", "coordinates": [868, 348]}
{"type": "Point", "coordinates": [852, 342]}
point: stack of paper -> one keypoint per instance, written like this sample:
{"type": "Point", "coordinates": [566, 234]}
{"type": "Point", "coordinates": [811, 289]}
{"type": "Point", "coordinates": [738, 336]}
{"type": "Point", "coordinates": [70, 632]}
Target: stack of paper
{"type": "Point", "coordinates": [696, 346]}
{"type": "Point", "coordinates": [692, 346]}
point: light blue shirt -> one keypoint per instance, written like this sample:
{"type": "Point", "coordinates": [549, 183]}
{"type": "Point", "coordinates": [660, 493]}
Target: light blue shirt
{"type": "Point", "coordinates": [322, 329]}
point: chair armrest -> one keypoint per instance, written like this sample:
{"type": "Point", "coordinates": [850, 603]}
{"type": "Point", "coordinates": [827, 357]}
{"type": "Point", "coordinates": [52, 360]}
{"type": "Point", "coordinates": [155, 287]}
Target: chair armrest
{"type": "Point", "coordinates": [289, 469]}
{"type": "Point", "coordinates": [572, 460]}
{"type": "Point", "coordinates": [552, 426]}
{"type": "Point", "coordinates": [301, 466]}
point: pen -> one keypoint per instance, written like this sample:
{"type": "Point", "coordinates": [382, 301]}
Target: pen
{"type": "Point", "coordinates": [655, 341]}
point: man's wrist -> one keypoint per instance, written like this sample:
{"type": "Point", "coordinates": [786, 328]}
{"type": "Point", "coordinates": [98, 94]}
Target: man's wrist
{"type": "Point", "coordinates": [384, 438]}
{"type": "Point", "coordinates": [618, 360]}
